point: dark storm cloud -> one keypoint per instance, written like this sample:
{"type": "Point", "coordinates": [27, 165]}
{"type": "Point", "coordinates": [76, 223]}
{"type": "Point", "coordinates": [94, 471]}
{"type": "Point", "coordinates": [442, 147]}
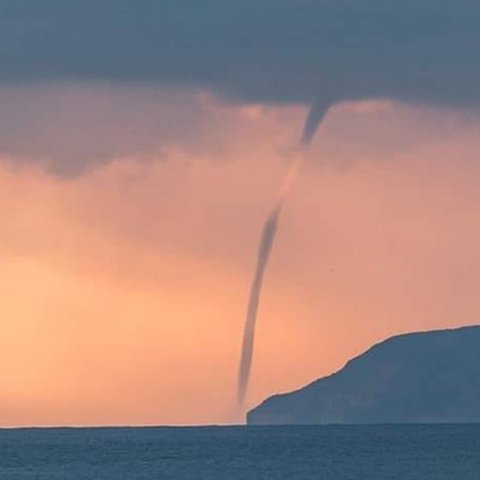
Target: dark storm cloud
{"type": "Point", "coordinates": [316, 52]}
{"type": "Point", "coordinates": [261, 50]}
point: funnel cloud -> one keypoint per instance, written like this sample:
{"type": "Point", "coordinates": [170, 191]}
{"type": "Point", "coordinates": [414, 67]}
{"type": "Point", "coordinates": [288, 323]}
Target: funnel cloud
{"type": "Point", "coordinates": [267, 240]}
{"type": "Point", "coordinates": [265, 247]}
{"type": "Point", "coordinates": [317, 113]}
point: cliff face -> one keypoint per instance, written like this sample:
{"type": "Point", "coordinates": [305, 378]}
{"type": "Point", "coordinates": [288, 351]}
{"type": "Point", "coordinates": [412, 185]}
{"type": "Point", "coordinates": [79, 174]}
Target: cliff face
{"type": "Point", "coordinates": [415, 378]}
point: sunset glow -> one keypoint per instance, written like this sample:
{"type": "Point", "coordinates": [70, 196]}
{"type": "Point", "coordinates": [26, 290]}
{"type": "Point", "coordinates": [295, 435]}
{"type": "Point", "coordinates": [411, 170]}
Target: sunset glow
{"type": "Point", "coordinates": [125, 285]}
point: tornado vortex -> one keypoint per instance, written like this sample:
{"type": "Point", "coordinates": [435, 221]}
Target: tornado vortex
{"type": "Point", "coordinates": [267, 239]}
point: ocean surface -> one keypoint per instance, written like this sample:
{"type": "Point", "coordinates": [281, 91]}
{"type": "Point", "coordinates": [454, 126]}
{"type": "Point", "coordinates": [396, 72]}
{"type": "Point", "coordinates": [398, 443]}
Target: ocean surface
{"type": "Point", "coordinates": [401, 452]}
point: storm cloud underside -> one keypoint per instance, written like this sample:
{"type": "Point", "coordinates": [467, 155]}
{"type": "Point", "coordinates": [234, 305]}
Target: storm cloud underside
{"type": "Point", "coordinates": [255, 50]}
{"type": "Point", "coordinates": [269, 51]}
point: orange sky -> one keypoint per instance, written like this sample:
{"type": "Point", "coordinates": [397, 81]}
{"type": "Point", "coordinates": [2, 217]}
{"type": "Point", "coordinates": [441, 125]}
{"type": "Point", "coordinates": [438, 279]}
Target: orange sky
{"type": "Point", "coordinates": [125, 288]}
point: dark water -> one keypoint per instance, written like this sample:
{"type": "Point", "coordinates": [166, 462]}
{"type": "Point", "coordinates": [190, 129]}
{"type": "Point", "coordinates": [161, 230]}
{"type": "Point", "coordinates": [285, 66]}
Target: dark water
{"type": "Point", "coordinates": [336, 452]}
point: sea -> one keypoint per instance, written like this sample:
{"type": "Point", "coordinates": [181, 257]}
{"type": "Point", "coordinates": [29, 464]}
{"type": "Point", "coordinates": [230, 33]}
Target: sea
{"type": "Point", "coordinates": [401, 452]}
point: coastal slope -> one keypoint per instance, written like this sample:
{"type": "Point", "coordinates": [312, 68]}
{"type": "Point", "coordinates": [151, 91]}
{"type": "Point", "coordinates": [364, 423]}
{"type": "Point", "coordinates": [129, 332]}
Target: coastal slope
{"type": "Point", "coordinates": [427, 377]}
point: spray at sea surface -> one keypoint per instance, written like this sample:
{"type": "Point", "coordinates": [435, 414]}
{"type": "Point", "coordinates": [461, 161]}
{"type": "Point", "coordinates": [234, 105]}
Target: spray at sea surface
{"type": "Point", "coordinates": [267, 240]}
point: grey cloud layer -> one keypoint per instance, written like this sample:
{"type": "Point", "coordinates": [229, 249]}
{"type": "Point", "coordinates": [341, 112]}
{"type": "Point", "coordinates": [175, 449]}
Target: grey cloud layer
{"type": "Point", "coordinates": [261, 50]}
{"type": "Point", "coordinates": [69, 128]}
{"type": "Point", "coordinates": [315, 52]}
